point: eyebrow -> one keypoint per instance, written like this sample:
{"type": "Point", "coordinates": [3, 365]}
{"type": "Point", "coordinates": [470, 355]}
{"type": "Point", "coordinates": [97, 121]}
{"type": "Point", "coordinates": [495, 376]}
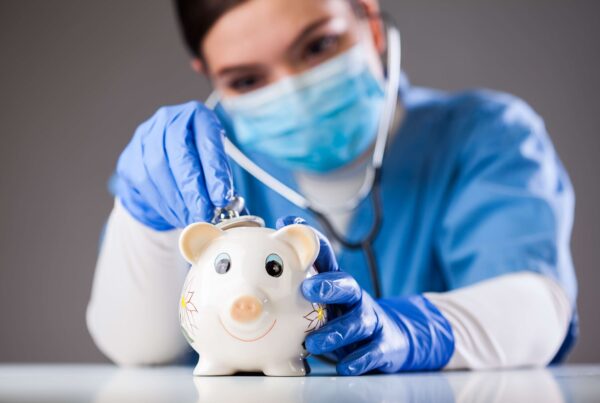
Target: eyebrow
{"type": "Point", "coordinates": [306, 31]}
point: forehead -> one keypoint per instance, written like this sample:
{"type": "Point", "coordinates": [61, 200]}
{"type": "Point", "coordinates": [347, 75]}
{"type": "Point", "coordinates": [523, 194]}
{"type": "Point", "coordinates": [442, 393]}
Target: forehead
{"type": "Point", "coordinates": [257, 29]}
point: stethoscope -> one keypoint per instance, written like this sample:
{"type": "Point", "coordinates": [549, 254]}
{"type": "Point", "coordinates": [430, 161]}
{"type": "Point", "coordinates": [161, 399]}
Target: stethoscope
{"type": "Point", "coordinates": [371, 182]}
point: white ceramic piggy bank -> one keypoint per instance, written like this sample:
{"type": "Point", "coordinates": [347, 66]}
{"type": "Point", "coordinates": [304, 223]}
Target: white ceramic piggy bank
{"type": "Point", "coordinates": [241, 307]}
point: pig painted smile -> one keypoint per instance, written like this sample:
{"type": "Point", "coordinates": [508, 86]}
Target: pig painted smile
{"type": "Point", "coordinates": [248, 340]}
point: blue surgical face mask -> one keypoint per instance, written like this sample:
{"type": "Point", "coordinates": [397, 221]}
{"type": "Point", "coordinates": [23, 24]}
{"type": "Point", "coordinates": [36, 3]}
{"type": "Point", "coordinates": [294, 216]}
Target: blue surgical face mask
{"type": "Point", "coordinates": [316, 121]}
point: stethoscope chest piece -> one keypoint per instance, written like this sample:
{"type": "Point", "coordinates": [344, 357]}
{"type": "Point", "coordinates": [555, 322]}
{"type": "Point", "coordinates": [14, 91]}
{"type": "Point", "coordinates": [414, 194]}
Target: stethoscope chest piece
{"type": "Point", "coordinates": [231, 216]}
{"type": "Point", "coordinates": [233, 209]}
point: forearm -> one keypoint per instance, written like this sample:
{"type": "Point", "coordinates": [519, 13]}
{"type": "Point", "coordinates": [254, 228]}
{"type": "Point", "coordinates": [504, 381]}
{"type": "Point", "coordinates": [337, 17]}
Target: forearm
{"type": "Point", "coordinates": [514, 320]}
{"type": "Point", "coordinates": [132, 313]}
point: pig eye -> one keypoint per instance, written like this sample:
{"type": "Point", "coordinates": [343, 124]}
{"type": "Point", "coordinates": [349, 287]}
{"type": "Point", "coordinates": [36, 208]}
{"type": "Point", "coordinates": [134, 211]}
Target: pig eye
{"type": "Point", "coordinates": [222, 263]}
{"type": "Point", "coordinates": [274, 265]}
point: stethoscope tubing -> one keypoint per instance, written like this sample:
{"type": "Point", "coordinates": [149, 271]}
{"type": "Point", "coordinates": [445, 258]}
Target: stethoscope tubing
{"type": "Point", "coordinates": [371, 183]}
{"type": "Point", "coordinates": [366, 243]}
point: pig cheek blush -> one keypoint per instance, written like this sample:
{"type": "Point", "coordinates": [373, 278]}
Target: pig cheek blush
{"type": "Point", "coordinates": [248, 315]}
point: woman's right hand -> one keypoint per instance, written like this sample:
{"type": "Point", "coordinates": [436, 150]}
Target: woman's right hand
{"type": "Point", "coordinates": [175, 171]}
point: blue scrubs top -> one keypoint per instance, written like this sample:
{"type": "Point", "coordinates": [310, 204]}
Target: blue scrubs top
{"type": "Point", "coordinates": [471, 189]}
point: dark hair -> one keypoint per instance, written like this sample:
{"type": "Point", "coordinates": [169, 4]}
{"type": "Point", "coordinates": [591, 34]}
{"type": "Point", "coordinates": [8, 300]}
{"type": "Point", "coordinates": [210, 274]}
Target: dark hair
{"type": "Point", "coordinates": [196, 17]}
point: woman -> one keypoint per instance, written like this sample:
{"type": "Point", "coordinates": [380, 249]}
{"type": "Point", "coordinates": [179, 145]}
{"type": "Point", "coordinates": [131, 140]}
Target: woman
{"type": "Point", "coordinates": [473, 251]}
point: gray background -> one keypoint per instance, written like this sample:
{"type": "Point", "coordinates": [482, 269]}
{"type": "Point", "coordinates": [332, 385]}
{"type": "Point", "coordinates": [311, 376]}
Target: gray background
{"type": "Point", "coordinates": [78, 76]}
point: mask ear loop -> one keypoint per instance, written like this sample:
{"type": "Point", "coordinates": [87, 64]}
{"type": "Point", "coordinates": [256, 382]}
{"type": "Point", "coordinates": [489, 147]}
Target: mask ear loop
{"type": "Point", "coordinates": [383, 129]}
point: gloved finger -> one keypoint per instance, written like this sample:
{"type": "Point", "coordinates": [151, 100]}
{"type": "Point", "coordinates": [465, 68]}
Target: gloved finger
{"type": "Point", "coordinates": [184, 163]}
{"type": "Point", "coordinates": [361, 360]}
{"type": "Point", "coordinates": [326, 260]}
{"type": "Point", "coordinates": [358, 324]}
{"type": "Point", "coordinates": [156, 161]}
{"type": "Point", "coordinates": [335, 287]}
{"type": "Point", "coordinates": [209, 134]}
{"type": "Point", "coordinates": [132, 173]}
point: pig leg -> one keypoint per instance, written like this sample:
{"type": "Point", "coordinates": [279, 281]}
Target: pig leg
{"type": "Point", "coordinates": [291, 367]}
{"type": "Point", "coordinates": [207, 367]}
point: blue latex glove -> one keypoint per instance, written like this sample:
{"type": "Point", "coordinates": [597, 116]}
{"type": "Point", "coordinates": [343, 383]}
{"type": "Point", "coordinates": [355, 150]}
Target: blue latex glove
{"type": "Point", "coordinates": [388, 335]}
{"type": "Point", "coordinates": [175, 171]}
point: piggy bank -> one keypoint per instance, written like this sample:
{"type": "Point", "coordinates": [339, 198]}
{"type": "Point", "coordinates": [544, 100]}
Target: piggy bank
{"type": "Point", "coordinates": [241, 307]}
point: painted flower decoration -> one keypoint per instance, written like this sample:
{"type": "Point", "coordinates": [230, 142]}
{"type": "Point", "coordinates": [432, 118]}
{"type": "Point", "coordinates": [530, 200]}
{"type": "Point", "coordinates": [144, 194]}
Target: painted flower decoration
{"type": "Point", "coordinates": [187, 310]}
{"type": "Point", "coordinates": [316, 318]}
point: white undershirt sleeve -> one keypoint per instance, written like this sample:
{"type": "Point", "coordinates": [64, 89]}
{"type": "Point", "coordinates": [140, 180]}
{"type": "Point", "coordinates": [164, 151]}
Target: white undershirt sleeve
{"type": "Point", "coordinates": [514, 320]}
{"type": "Point", "coordinates": [132, 313]}
{"type": "Point", "coordinates": [518, 319]}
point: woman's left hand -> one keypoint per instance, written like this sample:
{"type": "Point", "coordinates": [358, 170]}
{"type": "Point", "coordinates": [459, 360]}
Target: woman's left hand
{"type": "Point", "coordinates": [389, 335]}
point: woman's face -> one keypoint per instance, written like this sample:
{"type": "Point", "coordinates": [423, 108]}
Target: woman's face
{"type": "Point", "coordinates": [261, 41]}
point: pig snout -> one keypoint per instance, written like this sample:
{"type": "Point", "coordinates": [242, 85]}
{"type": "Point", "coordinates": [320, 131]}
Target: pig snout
{"type": "Point", "coordinates": [246, 309]}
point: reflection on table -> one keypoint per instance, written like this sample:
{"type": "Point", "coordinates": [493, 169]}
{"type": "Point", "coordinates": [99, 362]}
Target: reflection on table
{"type": "Point", "coordinates": [104, 383]}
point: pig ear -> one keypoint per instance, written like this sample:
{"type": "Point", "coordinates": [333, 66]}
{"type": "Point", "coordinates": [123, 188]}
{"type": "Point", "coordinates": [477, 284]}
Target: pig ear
{"type": "Point", "coordinates": [303, 240]}
{"type": "Point", "coordinates": [195, 238]}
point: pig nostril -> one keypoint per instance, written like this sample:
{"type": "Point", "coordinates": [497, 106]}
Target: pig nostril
{"type": "Point", "coordinates": [246, 309]}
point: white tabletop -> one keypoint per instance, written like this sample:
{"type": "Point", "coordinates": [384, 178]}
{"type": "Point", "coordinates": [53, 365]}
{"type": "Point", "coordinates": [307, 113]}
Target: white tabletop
{"type": "Point", "coordinates": [105, 383]}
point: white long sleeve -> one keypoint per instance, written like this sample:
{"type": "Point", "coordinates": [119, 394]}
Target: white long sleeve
{"type": "Point", "coordinates": [132, 313]}
{"type": "Point", "coordinates": [513, 320]}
